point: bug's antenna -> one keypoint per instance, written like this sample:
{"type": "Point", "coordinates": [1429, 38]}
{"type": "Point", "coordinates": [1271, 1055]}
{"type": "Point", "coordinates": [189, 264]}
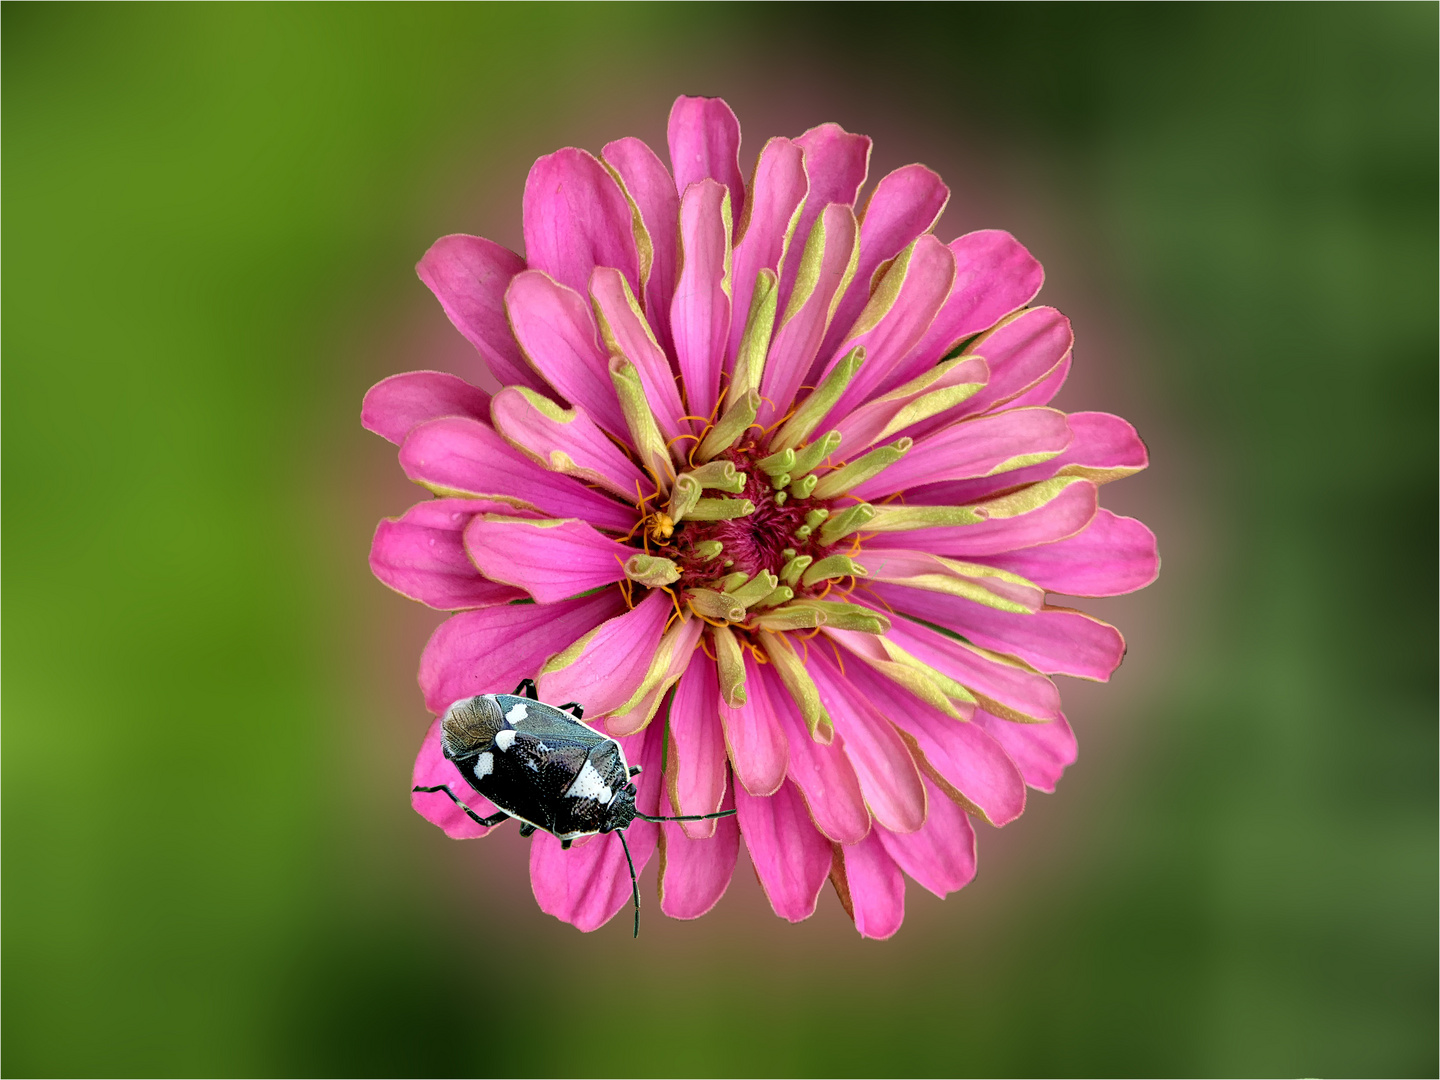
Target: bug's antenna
{"type": "Point", "coordinates": [686, 817]}
{"type": "Point", "coordinates": [634, 888]}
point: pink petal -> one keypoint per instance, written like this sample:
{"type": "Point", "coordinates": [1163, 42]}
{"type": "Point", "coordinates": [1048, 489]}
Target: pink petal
{"type": "Point", "coordinates": [577, 218]}
{"type": "Point", "coordinates": [824, 775]}
{"type": "Point", "coordinates": [874, 887]}
{"type": "Point", "coordinates": [395, 405]}
{"type": "Point", "coordinates": [791, 858]}
{"type": "Point", "coordinates": [575, 446]}
{"type": "Point", "coordinates": [456, 456]}
{"type": "Point", "coordinates": [1110, 556]}
{"type": "Point", "coordinates": [755, 735]}
{"type": "Point", "coordinates": [700, 312]}
{"type": "Point", "coordinates": [630, 334]}
{"type": "Point", "coordinates": [921, 570]}
{"type": "Point", "coordinates": [777, 193]}
{"type": "Point", "coordinates": [904, 205]}
{"type": "Point", "coordinates": [557, 331]}
{"type": "Point", "coordinates": [694, 873]}
{"type": "Point", "coordinates": [865, 426]}
{"type": "Point", "coordinates": [957, 753]}
{"type": "Point", "coordinates": [613, 663]}
{"type": "Point", "coordinates": [646, 180]}
{"type": "Point", "coordinates": [431, 770]}
{"type": "Point", "coordinates": [695, 769]}
{"type": "Point", "coordinates": [1025, 691]}
{"type": "Point", "coordinates": [422, 556]}
{"type": "Point", "coordinates": [888, 776]}
{"type": "Point", "coordinates": [469, 275]}
{"type": "Point", "coordinates": [1044, 391]}
{"type": "Point", "coordinates": [551, 559]}
{"type": "Point", "coordinates": [1054, 640]}
{"type": "Point", "coordinates": [1021, 352]}
{"type": "Point", "coordinates": [978, 447]}
{"type": "Point", "coordinates": [491, 650]}
{"type": "Point", "coordinates": [994, 275]}
{"type": "Point", "coordinates": [800, 328]}
{"type": "Point", "coordinates": [678, 646]}
{"type": "Point", "coordinates": [589, 884]}
{"type": "Point", "coordinates": [941, 856]}
{"type": "Point", "coordinates": [888, 335]}
{"type": "Point", "coordinates": [705, 145]}
{"type": "Point", "coordinates": [1065, 513]}
{"type": "Point", "coordinates": [836, 163]}
{"type": "Point", "coordinates": [1042, 751]}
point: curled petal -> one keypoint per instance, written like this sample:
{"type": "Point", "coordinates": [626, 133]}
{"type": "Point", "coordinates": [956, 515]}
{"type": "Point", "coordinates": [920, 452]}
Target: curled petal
{"type": "Point", "coordinates": [395, 405]}
{"type": "Point", "coordinates": [1110, 556]}
{"type": "Point", "coordinates": [432, 770]}
{"type": "Point", "coordinates": [491, 650]}
{"type": "Point", "coordinates": [940, 856]}
{"type": "Point", "coordinates": [870, 886]}
{"type": "Point", "coordinates": [422, 555]}
{"type": "Point", "coordinates": [550, 558]}
{"type": "Point", "coordinates": [777, 195]}
{"type": "Point", "coordinates": [577, 218]}
{"type": "Point", "coordinates": [1040, 751]}
{"type": "Point", "coordinates": [704, 140]}
{"type": "Point", "coordinates": [625, 332]}
{"type": "Point", "coordinates": [1039, 514]}
{"type": "Point", "coordinates": [755, 734]}
{"type": "Point", "coordinates": [695, 768]}
{"type": "Point", "coordinates": [790, 856]}
{"type": "Point", "coordinates": [695, 873]}
{"type": "Point", "coordinates": [565, 440]}
{"type": "Point", "coordinates": [604, 668]}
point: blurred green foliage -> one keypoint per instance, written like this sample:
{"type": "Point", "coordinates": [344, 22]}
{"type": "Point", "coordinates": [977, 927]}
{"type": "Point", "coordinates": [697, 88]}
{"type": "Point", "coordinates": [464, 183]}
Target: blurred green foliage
{"type": "Point", "coordinates": [204, 872]}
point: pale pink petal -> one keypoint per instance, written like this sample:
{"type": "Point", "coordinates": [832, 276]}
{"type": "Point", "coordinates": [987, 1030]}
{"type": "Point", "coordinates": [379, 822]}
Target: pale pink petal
{"type": "Point", "coordinates": [983, 446]}
{"type": "Point", "coordinates": [700, 311]}
{"type": "Point", "coordinates": [1044, 391]}
{"type": "Point", "coordinates": [491, 650]}
{"type": "Point", "coordinates": [754, 734]}
{"type": "Point", "coordinates": [395, 405]}
{"type": "Point", "coordinates": [551, 559]}
{"type": "Point", "coordinates": [921, 570]}
{"type": "Point", "coordinates": [778, 191]}
{"type": "Point", "coordinates": [877, 417]}
{"type": "Point", "coordinates": [677, 647]}
{"type": "Point", "coordinates": [994, 275]}
{"type": "Point", "coordinates": [1110, 556]}
{"type": "Point", "coordinates": [1054, 640]}
{"type": "Point", "coordinates": [613, 662]}
{"type": "Point", "coordinates": [874, 887]}
{"type": "Point", "coordinates": [696, 767]}
{"type": "Point", "coordinates": [422, 555]}
{"type": "Point", "coordinates": [941, 856]}
{"type": "Point", "coordinates": [647, 181]}
{"type": "Point", "coordinates": [695, 873]}
{"type": "Point", "coordinates": [1041, 751]}
{"type": "Point", "coordinates": [1022, 351]}
{"type": "Point", "coordinates": [836, 163]}
{"type": "Point", "coordinates": [958, 753]}
{"type": "Point", "coordinates": [905, 204]}
{"type": "Point", "coordinates": [823, 774]}
{"type": "Point", "coordinates": [575, 445]}
{"type": "Point", "coordinates": [631, 335]}
{"type": "Point", "coordinates": [577, 218]}
{"type": "Point", "coordinates": [1069, 509]}
{"type": "Point", "coordinates": [556, 329]}
{"type": "Point", "coordinates": [455, 456]}
{"type": "Point", "coordinates": [1021, 689]}
{"type": "Point", "coordinates": [469, 275]}
{"type": "Point", "coordinates": [791, 858]}
{"type": "Point", "coordinates": [888, 335]}
{"type": "Point", "coordinates": [887, 773]}
{"type": "Point", "coordinates": [589, 884]}
{"type": "Point", "coordinates": [801, 323]}
{"type": "Point", "coordinates": [705, 144]}
{"type": "Point", "coordinates": [431, 770]}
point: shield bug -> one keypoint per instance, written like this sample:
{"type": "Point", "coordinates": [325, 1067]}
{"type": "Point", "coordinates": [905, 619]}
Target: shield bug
{"type": "Point", "coordinates": [544, 767]}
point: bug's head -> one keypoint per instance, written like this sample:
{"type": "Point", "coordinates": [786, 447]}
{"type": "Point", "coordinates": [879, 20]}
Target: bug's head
{"type": "Point", "coordinates": [470, 725]}
{"type": "Point", "coordinates": [621, 810]}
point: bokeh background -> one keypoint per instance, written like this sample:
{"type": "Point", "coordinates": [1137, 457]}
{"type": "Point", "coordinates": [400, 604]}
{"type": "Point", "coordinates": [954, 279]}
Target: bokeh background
{"type": "Point", "coordinates": [211, 215]}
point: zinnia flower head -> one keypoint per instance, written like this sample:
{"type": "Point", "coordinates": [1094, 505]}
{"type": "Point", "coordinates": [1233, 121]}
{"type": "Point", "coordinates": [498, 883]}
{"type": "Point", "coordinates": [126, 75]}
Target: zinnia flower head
{"type": "Point", "coordinates": [773, 489]}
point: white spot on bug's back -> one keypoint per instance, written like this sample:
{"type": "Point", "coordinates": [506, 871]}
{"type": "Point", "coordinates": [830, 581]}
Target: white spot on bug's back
{"type": "Point", "coordinates": [517, 712]}
{"type": "Point", "coordinates": [505, 738]}
{"type": "Point", "coordinates": [590, 785]}
{"type": "Point", "coordinates": [484, 765]}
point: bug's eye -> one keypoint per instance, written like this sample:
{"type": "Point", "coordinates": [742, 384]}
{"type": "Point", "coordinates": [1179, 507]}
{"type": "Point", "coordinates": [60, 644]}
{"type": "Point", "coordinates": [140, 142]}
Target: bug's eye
{"type": "Point", "coordinates": [630, 788]}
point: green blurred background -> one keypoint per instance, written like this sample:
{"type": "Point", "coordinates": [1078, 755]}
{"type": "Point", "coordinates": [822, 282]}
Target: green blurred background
{"type": "Point", "coordinates": [210, 866]}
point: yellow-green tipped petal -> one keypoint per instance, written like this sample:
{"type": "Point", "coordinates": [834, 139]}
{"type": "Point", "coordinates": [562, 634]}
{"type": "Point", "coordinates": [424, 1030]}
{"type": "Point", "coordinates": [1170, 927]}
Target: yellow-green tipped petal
{"type": "Point", "coordinates": [755, 342]}
{"type": "Point", "coordinates": [714, 605]}
{"type": "Point", "coordinates": [719, 474]}
{"type": "Point", "coordinates": [846, 616]}
{"type": "Point", "coordinates": [832, 566]}
{"type": "Point", "coordinates": [778, 463]}
{"type": "Point", "coordinates": [644, 431]}
{"type": "Point", "coordinates": [821, 400]}
{"type": "Point", "coordinates": [683, 497]}
{"type": "Point", "coordinates": [720, 509]}
{"type": "Point", "coordinates": [738, 416]}
{"type": "Point", "coordinates": [757, 588]}
{"type": "Point", "coordinates": [788, 617]}
{"type": "Point", "coordinates": [802, 688]}
{"type": "Point", "coordinates": [851, 519]}
{"type": "Point", "coordinates": [802, 488]}
{"type": "Point", "coordinates": [791, 571]}
{"type": "Point", "coordinates": [731, 661]}
{"type": "Point", "coordinates": [812, 455]}
{"type": "Point", "coordinates": [836, 483]}
{"type": "Point", "coordinates": [895, 518]}
{"type": "Point", "coordinates": [779, 596]}
{"type": "Point", "coordinates": [708, 549]}
{"type": "Point", "coordinates": [652, 571]}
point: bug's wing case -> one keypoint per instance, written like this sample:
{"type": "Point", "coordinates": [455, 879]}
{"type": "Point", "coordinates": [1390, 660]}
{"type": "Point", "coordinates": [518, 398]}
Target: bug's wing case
{"type": "Point", "coordinates": [548, 723]}
{"type": "Point", "coordinates": [470, 725]}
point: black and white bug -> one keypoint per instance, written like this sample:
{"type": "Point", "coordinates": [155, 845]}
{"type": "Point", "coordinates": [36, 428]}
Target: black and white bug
{"type": "Point", "coordinates": [545, 768]}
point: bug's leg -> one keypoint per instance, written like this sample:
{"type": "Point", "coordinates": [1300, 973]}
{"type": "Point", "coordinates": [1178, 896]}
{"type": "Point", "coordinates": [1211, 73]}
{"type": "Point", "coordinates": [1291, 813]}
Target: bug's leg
{"type": "Point", "coordinates": [526, 829]}
{"type": "Point", "coordinates": [527, 689]}
{"type": "Point", "coordinates": [634, 770]}
{"type": "Point", "coordinates": [488, 822]}
{"type": "Point", "coordinates": [574, 707]}
{"type": "Point", "coordinates": [634, 885]}
{"type": "Point", "coordinates": [565, 845]}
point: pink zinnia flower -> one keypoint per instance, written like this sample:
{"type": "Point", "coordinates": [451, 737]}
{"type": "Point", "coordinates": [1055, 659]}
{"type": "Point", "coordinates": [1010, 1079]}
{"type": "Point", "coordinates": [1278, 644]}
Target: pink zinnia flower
{"type": "Point", "coordinates": [774, 491]}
